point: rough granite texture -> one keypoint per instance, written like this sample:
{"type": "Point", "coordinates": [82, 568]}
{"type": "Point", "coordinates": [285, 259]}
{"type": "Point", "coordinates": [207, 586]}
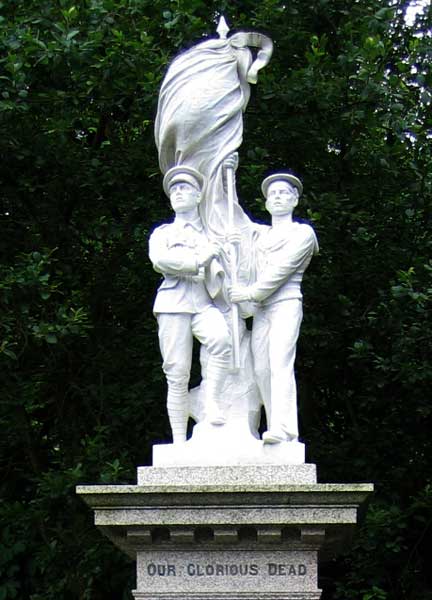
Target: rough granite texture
{"type": "Point", "coordinates": [204, 571]}
{"type": "Point", "coordinates": [304, 494]}
{"type": "Point", "coordinates": [211, 515]}
{"type": "Point", "coordinates": [248, 476]}
{"type": "Point", "coordinates": [233, 595]}
{"type": "Point", "coordinates": [227, 533]}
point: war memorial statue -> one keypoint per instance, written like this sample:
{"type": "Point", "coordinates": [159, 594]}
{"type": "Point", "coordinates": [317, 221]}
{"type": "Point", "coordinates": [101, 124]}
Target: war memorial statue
{"type": "Point", "coordinates": [226, 514]}
{"type": "Point", "coordinates": [254, 270]}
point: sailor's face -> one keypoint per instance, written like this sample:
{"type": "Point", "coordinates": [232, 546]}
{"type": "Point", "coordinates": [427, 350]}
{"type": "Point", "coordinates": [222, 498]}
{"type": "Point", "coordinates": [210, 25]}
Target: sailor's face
{"type": "Point", "coordinates": [183, 197]}
{"type": "Point", "coordinates": [282, 198]}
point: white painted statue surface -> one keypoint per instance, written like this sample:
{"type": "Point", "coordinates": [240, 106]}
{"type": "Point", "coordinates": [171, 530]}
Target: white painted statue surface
{"type": "Point", "coordinates": [283, 252]}
{"type": "Point", "coordinates": [182, 253]}
{"type": "Point", "coordinates": [199, 121]}
{"type": "Point", "coordinates": [219, 266]}
{"type": "Point", "coordinates": [199, 124]}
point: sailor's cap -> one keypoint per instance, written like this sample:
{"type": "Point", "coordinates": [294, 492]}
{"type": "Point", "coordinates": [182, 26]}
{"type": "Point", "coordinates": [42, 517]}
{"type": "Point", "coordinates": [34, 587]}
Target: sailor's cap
{"type": "Point", "coordinates": [292, 179]}
{"type": "Point", "coordinates": [182, 173]}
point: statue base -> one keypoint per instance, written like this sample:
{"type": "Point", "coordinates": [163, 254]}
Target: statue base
{"type": "Point", "coordinates": [213, 533]}
{"type": "Point", "coordinates": [230, 445]}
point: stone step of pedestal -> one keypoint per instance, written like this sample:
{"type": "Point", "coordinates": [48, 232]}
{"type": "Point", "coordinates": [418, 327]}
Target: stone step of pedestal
{"type": "Point", "coordinates": [250, 476]}
{"type": "Point", "coordinates": [258, 595]}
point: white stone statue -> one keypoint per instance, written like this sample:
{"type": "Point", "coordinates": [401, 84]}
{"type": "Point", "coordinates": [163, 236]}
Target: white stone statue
{"type": "Point", "coordinates": [182, 253]}
{"type": "Point", "coordinates": [283, 252]}
{"type": "Point", "coordinates": [219, 267]}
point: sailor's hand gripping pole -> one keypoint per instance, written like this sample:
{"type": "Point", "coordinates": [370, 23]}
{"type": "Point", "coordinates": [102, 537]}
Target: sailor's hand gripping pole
{"type": "Point", "coordinates": [230, 167]}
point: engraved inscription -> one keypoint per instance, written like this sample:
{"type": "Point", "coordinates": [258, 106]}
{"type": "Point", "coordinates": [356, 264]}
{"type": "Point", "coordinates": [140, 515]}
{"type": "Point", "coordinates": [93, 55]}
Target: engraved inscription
{"type": "Point", "coordinates": [286, 570]}
{"type": "Point", "coordinates": [195, 569]}
{"type": "Point", "coordinates": [163, 570]}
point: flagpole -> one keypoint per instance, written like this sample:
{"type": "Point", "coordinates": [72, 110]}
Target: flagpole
{"type": "Point", "coordinates": [233, 265]}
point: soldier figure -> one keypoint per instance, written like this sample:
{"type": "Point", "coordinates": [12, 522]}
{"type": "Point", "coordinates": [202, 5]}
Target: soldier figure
{"type": "Point", "coordinates": [182, 253]}
{"type": "Point", "coordinates": [283, 252]}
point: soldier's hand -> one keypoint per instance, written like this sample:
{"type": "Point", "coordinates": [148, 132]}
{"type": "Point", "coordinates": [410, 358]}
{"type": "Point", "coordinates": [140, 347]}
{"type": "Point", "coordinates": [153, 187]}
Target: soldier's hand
{"type": "Point", "coordinates": [232, 161]}
{"type": "Point", "coordinates": [239, 293]}
{"type": "Point", "coordinates": [208, 253]}
{"type": "Point", "coordinates": [234, 236]}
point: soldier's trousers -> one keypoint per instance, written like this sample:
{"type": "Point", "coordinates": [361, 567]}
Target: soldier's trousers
{"type": "Point", "coordinates": [274, 338]}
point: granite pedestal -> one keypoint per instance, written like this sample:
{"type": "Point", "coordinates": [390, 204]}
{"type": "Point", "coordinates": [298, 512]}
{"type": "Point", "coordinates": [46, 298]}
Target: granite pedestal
{"type": "Point", "coordinates": [251, 532]}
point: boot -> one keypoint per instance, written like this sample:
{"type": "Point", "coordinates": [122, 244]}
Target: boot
{"type": "Point", "coordinates": [217, 369]}
{"type": "Point", "coordinates": [178, 414]}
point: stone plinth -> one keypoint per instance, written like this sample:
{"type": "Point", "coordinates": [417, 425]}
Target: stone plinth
{"type": "Point", "coordinates": [227, 533]}
{"type": "Point", "coordinates": [231, 445]}
{"type": "Point", "coordinates": [255, 453]}
{"type": "Point", "coordinates": [234, 478]}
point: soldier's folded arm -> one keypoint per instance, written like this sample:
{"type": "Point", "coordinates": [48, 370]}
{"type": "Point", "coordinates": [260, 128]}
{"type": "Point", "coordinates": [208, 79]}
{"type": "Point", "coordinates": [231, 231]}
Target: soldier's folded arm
{"type": "Point", "coordinates": [171, 261]}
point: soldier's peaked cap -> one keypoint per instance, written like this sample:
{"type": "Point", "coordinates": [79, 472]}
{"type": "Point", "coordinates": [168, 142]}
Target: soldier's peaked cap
{"type": "Point", "coordinates": [179, 173]}
{"type": "Point", "coordinates": [289, 177]}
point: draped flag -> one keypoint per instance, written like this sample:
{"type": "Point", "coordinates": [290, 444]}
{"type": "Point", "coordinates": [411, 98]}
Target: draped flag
{"type": "Point", "coordinates": [199, 122]}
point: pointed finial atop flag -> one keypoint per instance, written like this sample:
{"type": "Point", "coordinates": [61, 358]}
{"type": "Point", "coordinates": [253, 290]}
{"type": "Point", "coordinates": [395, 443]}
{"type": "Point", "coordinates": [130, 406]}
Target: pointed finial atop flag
{"type": "Point", "coordinates": [222, 28]}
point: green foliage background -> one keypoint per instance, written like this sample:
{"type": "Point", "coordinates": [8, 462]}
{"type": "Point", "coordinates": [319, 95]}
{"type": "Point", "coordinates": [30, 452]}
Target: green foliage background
{"type": "Point", "coordinates": [345, 103]}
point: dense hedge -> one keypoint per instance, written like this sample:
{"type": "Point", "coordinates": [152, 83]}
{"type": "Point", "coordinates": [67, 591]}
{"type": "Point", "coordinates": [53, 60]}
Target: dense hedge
{"type": "Point", "coordinates": [346, 104]}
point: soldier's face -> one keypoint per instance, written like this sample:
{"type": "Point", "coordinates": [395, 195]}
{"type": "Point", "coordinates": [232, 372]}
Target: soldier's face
{"type": "Point", "coordinates": [184, 197]}
{"type": "Point", "coordinates": [282, 198]}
